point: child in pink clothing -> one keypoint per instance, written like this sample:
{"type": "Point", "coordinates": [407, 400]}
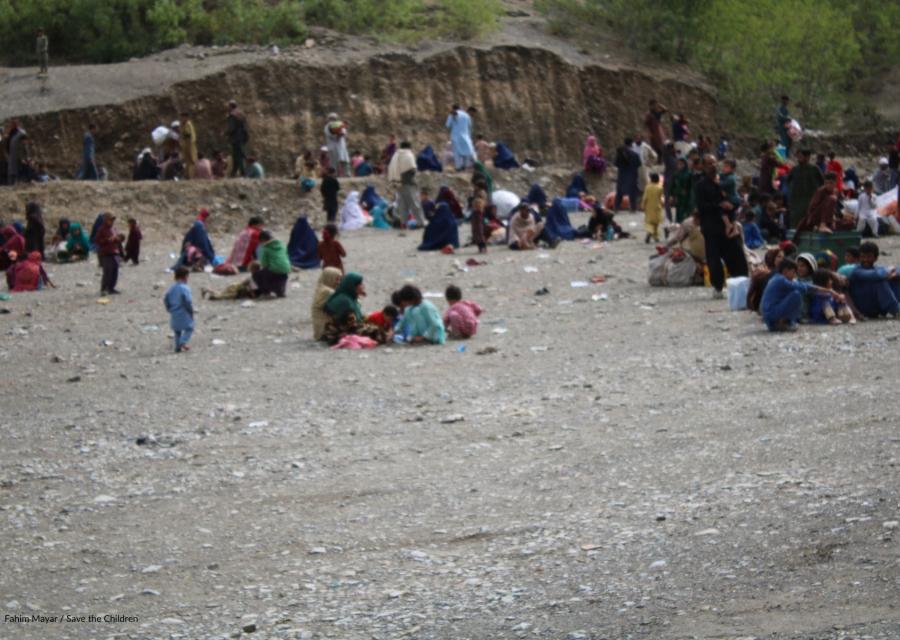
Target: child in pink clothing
{"type": "Point", "coordinates": [461, 319]}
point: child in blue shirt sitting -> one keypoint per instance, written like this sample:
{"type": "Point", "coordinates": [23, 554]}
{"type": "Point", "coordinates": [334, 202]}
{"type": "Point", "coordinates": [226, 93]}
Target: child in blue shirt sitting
{"type": "Point", "coordinates": [752, 234]}
{"type": "Point", "coordinates": [782, 301]}
{"type": "Point", "coordinates": [875, 290]}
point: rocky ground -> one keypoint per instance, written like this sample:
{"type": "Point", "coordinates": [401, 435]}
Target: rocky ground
{"type": "Point", "coordinates": [606, 461]}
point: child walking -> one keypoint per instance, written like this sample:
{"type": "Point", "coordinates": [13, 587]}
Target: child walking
{"type": "Point", "coordinates": [180, 306]}
{"type": "Point", "coordinates": [477, 222]}
{"type": "Point", "coordinates": [330, 250]}
{"type": "Point", "coordinates": [133, 244]}
{"type": "Point", "coordinates": [461, 318]}
{"type": "Point", "coordinates": [651, 203]}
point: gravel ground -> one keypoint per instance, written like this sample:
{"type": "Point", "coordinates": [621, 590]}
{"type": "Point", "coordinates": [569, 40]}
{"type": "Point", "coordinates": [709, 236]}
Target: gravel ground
{"type": "Point", "coordinates": [649, 465]}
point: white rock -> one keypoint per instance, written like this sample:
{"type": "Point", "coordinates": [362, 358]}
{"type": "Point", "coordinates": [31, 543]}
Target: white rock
{"type": "Point", "coordinates": [153, 568]}
{"type": "Point", "coordinates": [891, 524]}
{"type": "Point", "coordinates": [104, 499]}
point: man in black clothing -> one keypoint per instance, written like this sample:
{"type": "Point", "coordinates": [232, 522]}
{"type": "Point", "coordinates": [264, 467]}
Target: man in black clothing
{"type": "Point", "coordinates": [722, 238]}
{"type": "Point", "coordinates": [238, 134]}
{"type": "Point", "coordinates": [329, 189]}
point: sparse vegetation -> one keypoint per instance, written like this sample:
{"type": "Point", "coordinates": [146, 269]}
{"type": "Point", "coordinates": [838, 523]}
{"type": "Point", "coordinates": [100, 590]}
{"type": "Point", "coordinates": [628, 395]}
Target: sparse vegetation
{"type": "Point", "coordinates": [114, 30]}
{"type": "Point", "coordinates": [821, 52]}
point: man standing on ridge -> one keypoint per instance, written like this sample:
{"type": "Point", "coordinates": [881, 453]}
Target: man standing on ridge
{"type": "Point", "coordinates": [238, 135]}
{"type": "Point", "coordinates": [43, 52]}
{"type": "Point", "coordinates": [460, 125]}
{"type": "Point", "coordinates": [188, 140]}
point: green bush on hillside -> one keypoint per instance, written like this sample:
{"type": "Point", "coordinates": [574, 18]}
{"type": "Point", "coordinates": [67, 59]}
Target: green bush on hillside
{"type": "Point", "coordinates": [113, 30]}
{"type": "Point", "coordinates": [469, 18]}
{"type": "Point", "coordinates": [820, 52]}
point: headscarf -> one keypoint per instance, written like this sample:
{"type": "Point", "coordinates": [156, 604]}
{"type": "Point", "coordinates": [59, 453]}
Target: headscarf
{"type": "Point", "coordinates": [203, 215]}
{"type": "Point", "coordinates": [481, 170]}
{"type": "Point", "coordinates": [63, 228]}
{"type": "Point", "coordinates": [505, 159]}
{"type": "Point", "coordinates": [428, 161]}
{"type": "Point", "coordinates": [198, 237]}
{"type": "Point", "coordinates": [328, 281]}
{"type": "Point", "coordinates": [770, 257]}
{"type": "Point", "coordinates": [78, 239]}
{"type": "Point", "coordinates": [27, 273]}
{"type": "Point", "coordinates": [557, 223]}
{"type": "Point", "coordinates": [370, 198]}
{"type": "Point", "coordinates": [98, 222]}
{"type": "Point", "coordinates": [13, 240]}
{"type": "Point", "coordinates": [446, 195]}
{"type": "Point", "coordinates": [537, 196]}
{"type": "Point", "coordinates": [441, 231]}
{"type": "Point", "coordinates": [303, 246]}
{"type": "Point", "coordinates": [576, 186]}
{"type": "Point", "coordinates": [34, 214]}
{"type": "Point", "coordinates": [352, 216]}
{"type": "Point", "coordinates": [344, 299]}
{"type": "Point", "coordinates": [810, 259]}
{"type": "Point", "coordinates": [591, 150]}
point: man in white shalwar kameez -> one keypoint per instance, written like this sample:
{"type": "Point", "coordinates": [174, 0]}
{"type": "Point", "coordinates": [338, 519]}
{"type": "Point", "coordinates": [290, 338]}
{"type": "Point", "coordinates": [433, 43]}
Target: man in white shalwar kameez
{"type": "Point", "coordinates": [336, 141]}
{"type": "Point", "coordinates": [460, 125]}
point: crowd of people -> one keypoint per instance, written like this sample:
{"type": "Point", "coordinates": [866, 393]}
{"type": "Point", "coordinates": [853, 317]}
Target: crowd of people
{"type": "Point", "coordinates": [707, 223]}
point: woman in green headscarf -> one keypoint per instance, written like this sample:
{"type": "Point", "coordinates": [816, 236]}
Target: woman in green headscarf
{"type": "Point", "coordinates": [77, 246]}
{"type": "Point", "coordinates": [345, 314]}
{"type": "Point", "coordinates": [481, 173]}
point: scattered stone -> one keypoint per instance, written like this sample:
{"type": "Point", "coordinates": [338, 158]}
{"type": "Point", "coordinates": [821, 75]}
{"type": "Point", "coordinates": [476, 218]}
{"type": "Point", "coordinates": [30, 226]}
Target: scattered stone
{"type": "Point", "coordinates": [453, 417]}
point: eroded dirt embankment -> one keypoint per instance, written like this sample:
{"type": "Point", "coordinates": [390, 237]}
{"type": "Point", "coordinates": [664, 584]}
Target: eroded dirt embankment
{"type": "Point", "coordinates": [532, 99]}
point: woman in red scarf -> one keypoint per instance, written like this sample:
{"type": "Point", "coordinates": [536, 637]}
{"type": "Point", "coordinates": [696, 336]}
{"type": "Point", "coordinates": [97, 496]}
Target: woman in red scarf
{"type": "Point", "coordinates": [27, 274]}
{"type": "Point", "coordinates": [592, 159]}
{"type": "Point", "coordinates": [13, 243]}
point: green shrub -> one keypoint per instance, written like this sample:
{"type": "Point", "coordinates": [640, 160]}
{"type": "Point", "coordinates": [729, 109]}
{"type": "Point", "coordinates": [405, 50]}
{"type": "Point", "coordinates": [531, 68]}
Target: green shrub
{"type": "Point", "coordinates": [467, 19]}
{"type": "Point", "coordinates": [111, 30]}
{"type": "Point", "coordinates": [379, 17]}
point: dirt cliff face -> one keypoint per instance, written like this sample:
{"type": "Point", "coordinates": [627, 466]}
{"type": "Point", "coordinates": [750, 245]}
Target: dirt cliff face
{"type": "Point", "coordinates": [532, 99]}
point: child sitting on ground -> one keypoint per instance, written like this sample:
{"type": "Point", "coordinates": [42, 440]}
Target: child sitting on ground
{"type": "Point", "coordinates": [461, 318]}
{"type": "Point", "coordinates": [133, 244]}
{"type": "Point", "coordinates": [825, 305]}
{"type": "Point", "coordinates": [875, 290]}
{"type": "Point", "coordinates": [385, 318]}
{"type": "Point", "coordinates": [180, 306]}
{"type": "Point", "coordinates": [330, 250]}
{"type": "Point", "coordinates": [752, 234]}
{"type": "Point", "coordinates": [851, 259]}
{"type": "Point", "coordinates": [421, 319]}
{"type": "Point", "coordinates": [782, 301]}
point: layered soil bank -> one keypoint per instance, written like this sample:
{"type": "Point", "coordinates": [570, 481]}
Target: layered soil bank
{"type": "Point", "coordinates": [533, 99]}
